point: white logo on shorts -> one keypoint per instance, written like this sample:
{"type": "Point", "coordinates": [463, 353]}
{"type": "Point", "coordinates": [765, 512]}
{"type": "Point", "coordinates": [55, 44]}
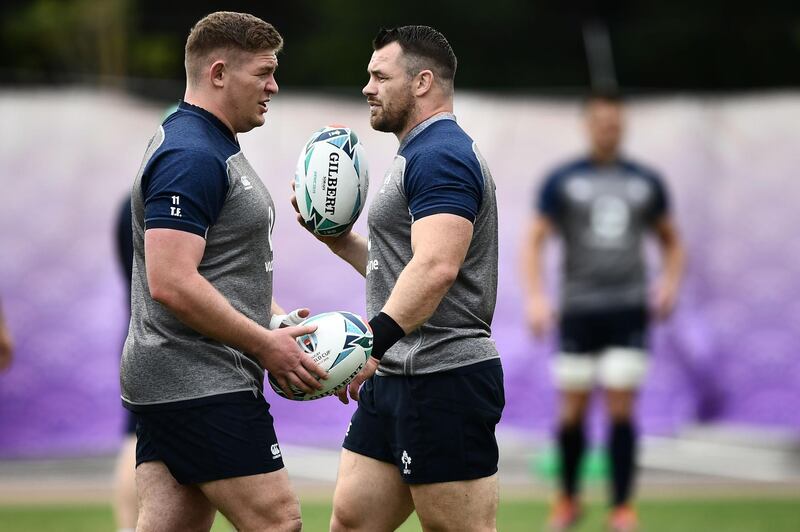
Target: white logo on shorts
{"type": "Point", "coordinates": [347, 432]}
{"type": "Point", "coordinates": [276, 451]}
{"type": "Point", "coordinates": [246, 182]}
{"type": "Point", "coordinates": [406, 462]}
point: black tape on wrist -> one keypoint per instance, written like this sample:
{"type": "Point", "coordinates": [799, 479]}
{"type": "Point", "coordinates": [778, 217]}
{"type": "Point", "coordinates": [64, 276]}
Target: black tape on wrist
{"type": "Point", "coordinates": [385, 333]}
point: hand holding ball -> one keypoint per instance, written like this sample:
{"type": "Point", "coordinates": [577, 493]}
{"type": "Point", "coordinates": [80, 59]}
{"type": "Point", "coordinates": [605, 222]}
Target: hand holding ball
{"type": "Point", "coordinates": [341, 345]}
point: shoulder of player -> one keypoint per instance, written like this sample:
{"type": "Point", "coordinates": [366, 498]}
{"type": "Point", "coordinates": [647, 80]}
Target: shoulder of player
{"type": "Point", "coordinates": [193, 131]}
{"type": "Point", "coordinates": [566, 169]}
{"type": "Point", "coordinates": [640, 169]}
{"type": "Point", "coordinates": [438, 142]}
{"type": "Point", "coordinates": [197, 164]}
{"type": "Point", "coordinates": [190, 155]}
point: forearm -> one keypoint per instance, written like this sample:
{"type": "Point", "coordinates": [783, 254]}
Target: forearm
{"type": "Point", "coordinates": [533, 257]}
{"type": "Point", "coordinates": [533, 272]}
{"type": "Point", "coordinates": [196, 303]}
{"type": "Point", "coordinates": [674, 258]}
{"type": "Point", "coordinates": [673, 255]}
{"type": "Point", "coordinates": [352, 248]}
{"type": "Point", "coordinates": [417, 293]}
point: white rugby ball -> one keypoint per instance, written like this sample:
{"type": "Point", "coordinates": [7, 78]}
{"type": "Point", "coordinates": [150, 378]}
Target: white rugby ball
{"type": "Point", "coordinates": [341, 345]}
{"type": "Point", "coordinates": [331, 180]}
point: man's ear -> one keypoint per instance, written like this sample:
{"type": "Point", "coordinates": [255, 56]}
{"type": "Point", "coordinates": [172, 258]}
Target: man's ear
{"type": "Point", "coordinates": [217, 73]}
{"type": "Point", "coordinates": [423, 82]}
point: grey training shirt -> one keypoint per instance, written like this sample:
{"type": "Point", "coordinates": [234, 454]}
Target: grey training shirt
{"type": "Point", "coordinates": [195, 178]}
{"type": "Point", "coordinates": [437, 169]}
{"type": "Point", "coordinates": [602, 212]}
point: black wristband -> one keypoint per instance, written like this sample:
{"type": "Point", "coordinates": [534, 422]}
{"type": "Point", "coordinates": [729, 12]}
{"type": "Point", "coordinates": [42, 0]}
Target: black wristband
{"type": "Point", "coordinates": [385, 333]}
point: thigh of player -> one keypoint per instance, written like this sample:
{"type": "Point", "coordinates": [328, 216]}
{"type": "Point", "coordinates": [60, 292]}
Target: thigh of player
{"type": "Point", "coordinates": [623, 361]}
{"type": "Point", "coordinates": [370, 496]}
{"type": "Point", "coordinates": [167, 506]}
{"type": "Point", "coordinates": [256, 502]}
{"type": "Point", "coordinates": [574, 368]}
{"type": "Point", "coordinates": [228, 450]}
{"type": "Point", "coordinates": [447, 447]}
{"type": "Point", "coordinates": [460, 506]}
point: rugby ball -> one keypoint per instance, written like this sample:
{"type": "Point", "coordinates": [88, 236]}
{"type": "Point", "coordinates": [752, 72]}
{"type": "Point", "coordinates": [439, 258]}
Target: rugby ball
{"type": "Point", "coordinates": [331, 180]}
{"type": "Point", "coordinates": [341, 345]}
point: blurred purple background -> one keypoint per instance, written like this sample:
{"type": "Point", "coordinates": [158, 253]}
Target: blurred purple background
{"type": "Point", "coordinates": [728, 355]}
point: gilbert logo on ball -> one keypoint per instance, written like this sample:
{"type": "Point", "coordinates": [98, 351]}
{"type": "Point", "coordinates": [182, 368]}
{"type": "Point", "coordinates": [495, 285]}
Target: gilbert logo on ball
{"type": "Point", "coordinates": [341, 345]}
{"type": "Point", "coordinates": [331, 180]}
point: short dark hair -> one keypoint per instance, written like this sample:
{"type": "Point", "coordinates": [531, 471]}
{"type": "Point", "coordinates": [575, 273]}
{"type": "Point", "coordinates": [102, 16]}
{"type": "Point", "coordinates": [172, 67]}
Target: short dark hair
{"type": "Point", "coordinates": [227, 29]}
{"type": "Point", "coordinates": [421, 44]}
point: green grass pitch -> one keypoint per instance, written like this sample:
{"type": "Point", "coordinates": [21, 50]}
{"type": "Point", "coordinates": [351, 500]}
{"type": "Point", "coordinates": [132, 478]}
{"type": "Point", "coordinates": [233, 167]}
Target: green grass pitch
{"type": "Point", "coordinates": [697, 515]}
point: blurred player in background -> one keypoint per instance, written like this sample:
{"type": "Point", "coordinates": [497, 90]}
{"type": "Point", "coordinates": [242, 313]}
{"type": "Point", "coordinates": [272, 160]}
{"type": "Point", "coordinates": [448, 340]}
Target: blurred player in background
{"type": "Point", "coordinates": [193, 366]}
{"type": "Point", "coordinates": [6, 343]}
{"type": "Point", "coordinates": [423, 436]}
{"type": "Point", "coordinates": [601, 206]}
{"type": "Point", "coordinates": [125, 501]}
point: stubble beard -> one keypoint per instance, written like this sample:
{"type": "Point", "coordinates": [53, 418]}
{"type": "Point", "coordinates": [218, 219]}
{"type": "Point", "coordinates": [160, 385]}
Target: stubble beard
{"type": "Point", "coordinates": [393, 118]}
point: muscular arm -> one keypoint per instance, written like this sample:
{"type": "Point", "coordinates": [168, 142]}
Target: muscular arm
{"type": "Point", "coordinates": [538, 308]}
{"type": "Point", "coordinates": [673, 259]}
{"type": "Point", "coordinates": [439, 244]}
{"type": "Point", "coordinates": [172, 259]}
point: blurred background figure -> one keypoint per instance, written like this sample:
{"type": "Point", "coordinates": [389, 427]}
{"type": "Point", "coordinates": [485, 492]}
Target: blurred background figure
{"type": "Point", "coordinates": [125, 500]}
{"type": "Point", "coordinates": [6, 343]}
{"type": "Point", "coordinates": [602, 206]}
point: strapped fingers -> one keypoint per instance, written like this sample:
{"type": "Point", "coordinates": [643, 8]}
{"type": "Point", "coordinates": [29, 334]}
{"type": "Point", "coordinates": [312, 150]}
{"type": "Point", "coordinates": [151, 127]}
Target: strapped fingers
{"type": "Point", "coordinates": [296, 316]}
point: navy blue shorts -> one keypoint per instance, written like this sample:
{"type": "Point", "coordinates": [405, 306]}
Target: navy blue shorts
{"type": "Point", "coordinates": [591, 332]}
{"type": "Point", "coordinates": [130, 423]}
{"type": "Point", "coordinates": [232, 436]}
{"type": "Point", "coordinates": [438, 427]}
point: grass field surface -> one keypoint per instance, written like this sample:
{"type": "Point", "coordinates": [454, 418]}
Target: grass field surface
{"type": "Point", "coordinates": [729, 515]}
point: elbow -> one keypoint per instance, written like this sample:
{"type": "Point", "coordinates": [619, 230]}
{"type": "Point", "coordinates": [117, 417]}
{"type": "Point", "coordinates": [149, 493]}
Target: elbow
{"type": "Point", "coordinates": [444, 275]}
{"type": "Point", "coordinates": [164, 292]}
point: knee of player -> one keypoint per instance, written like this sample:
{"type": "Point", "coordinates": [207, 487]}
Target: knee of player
{"type": "Point", "coordinates": [285, 518]}
{"type": "Point", "coordinates": [295, 524]}
{"type": "Point", "coordinates": [292, 520]}
{"type": "Point", "coordinates": [289, 523]}
{"type": "Point", "coordinates": [343, 520]}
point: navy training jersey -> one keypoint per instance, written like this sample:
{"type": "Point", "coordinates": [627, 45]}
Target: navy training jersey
{"type": "Point", "coordinates": [195, 178]}
{"type": "Point", "coordinates": [437, 169]}
{"type": "Point", "coordinates": [603, 212]}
